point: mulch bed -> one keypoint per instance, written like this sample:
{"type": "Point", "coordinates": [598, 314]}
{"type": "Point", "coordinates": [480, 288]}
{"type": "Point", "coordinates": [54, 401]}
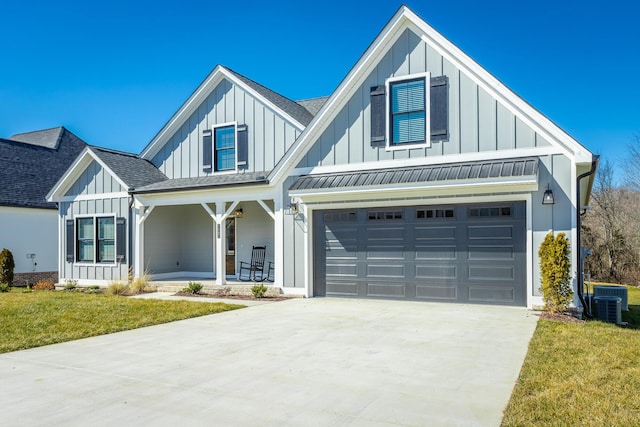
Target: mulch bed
{"type": "Point", "coordinates": [560, 317]}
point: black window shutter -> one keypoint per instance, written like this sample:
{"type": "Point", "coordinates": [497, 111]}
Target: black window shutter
{"type": "Point", "coordinates": [439, 108]}
{"type": "Point", "coordinates": [242, 146]}
{"type": "Point", "coordinates": [207, 147]}
{"type": "Point", "coordinates": [71, 241]}
{"type": "Point", "coordinates": [121, 239]}
{"type": "Point", "coordinates": [378, 116]}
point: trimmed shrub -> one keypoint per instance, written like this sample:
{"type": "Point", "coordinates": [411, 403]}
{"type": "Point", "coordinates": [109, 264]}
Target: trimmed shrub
{"type": "Point", "coordinates": [193, 288]}
{"type": "Point", "coordinates": [4, 287]}
{"type": "Point", "coordinates": [258, 290]}
{"type": "Point", "coordinates": [44, 285]}
{"type": "Point", "coordinates": [7, 265]}
{"type": "Point", "coordinates": [555, 273]}
{"type": "Point", "coordinates": [93, 289]}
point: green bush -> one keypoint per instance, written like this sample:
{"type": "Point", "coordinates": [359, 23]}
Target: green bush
{"type": "Point", "coordinates": [7, 265]}
{"type": "Point", "coordinates": [193, 288]}
{"type": "Point", "coordinates": [4, 287]}
{"type": "Point", "coordinates": [258, 290]}
{"type": "Point", "coordinates": [93, 289]}
{"type": "Point", "coordinates": [555, 273]}
{"type": "Point", "coordinates": [70, 285]}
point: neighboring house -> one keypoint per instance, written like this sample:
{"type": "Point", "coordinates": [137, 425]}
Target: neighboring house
{"type": "Point", "coordinates": [421, 177]}
{"type": "Point", "coordinates": [30, 164]}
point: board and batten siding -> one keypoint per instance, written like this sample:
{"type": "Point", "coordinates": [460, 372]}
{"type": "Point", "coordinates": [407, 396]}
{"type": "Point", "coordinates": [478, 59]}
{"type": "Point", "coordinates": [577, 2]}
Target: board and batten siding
{"type": "Point", "coordinates": [269, 134]}
{"type": "Point", "coordinates": [477, 121]}
{"type": "Point", "coordinates": [94, 180]}
{"type": "Point", "coordinates": [295, 232]}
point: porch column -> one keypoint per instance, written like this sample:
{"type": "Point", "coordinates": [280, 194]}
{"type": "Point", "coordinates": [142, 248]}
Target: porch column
{"type": "Point", "coordinates": [142, 213]}
{"type": "Point", "coordinates": [220, 231]}
{"type": "Point", "coordinates": [278, 242]}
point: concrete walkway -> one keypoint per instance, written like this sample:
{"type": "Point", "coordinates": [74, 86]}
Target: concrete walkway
{"type": "Point", "coordinates": [301, 362]}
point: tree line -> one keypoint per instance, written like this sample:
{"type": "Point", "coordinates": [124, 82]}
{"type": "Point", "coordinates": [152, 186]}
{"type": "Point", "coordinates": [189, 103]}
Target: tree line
{"type": "Point", "coordinates": [611, 227]}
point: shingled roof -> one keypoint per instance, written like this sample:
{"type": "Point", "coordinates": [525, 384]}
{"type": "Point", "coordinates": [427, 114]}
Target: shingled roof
{"type": "Point", "coordinates": [295, 110]}
{"type": "Point", "coordinates": [31, 163]}
{"type": "Point", "coordinates": [132, 170]}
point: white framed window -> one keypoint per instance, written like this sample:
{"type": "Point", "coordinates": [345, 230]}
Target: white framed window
{"type": "Point", "coordinates": [95, 239]}
{"type": "Point", "coordinates": [224, 147]}
{"type": "Point", "coordinates": [408, 106]}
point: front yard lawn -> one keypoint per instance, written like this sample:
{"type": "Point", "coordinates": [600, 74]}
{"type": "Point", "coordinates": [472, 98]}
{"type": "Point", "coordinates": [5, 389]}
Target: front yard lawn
{"type": "Point", "coordinates": [39, 318]}
{"type": "Point", "coordinates": [585, 374]}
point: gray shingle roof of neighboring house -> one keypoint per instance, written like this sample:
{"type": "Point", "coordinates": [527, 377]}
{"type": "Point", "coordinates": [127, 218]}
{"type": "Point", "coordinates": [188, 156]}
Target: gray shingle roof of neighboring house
{"type": "Point", "coordinates": [295, 110]}
{"type": "Point", "coordinates": [134, 171]}
{"type": "Point", "coordinates": [180, 184]}
{"type": "Point", "coordinates": [525, 167]}
{"type": "Point", "coordinates": [313, 105]}
{"type": "Point", "coordinates": [31, 163]}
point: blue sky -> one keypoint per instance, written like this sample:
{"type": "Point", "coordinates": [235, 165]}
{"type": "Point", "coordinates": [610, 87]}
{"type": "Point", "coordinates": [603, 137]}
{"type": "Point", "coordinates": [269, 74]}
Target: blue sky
{"type": "Point", "coordinates": [114, 72]}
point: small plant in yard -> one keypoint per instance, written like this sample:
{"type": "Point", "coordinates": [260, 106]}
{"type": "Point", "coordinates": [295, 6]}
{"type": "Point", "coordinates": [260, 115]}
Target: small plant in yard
{"type": "Point", "coordinates": [70, 285]}
{"type": "Point", "coordinates": [258, 290]}
{"type": "Point", "coordinates": [7, 266]}
{"type": "Point", "coordinates": [4, 287]}
{"type": "Point", "coordinates": [117, 288]}
{"type": "Point", "coordinates": [193, 288]}
{"type": "Point", "coordinates": [93, 289]}
{"type": "Point", "coordinates": [44, 285]}
{"type": "Point", "coordinates": [139, 284]}
{"type": "Point", "coordinates": [555, 275]}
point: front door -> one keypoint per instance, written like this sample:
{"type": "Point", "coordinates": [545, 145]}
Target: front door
{"type": "Point", "coordinates": [231, 246]}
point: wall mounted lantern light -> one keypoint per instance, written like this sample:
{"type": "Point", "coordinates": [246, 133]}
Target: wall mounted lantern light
{"type": "Point", "coordinates": [547, 198]}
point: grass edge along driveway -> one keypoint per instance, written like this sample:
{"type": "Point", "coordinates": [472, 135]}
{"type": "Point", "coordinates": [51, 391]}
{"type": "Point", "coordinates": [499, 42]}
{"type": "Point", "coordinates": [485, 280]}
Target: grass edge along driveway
{"type": "Point", "coordinates": [34, 319]}
{"type": "Point", "coordinates": [585, 374]}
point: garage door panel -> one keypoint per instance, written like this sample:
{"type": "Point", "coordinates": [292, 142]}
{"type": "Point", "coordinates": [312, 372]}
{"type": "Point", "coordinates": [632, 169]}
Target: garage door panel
{"type": "Point", "coordinates": [491, 294]}
{"type": "Point", "coordinates": [435, 233]}
{"type": "Point", "coordinates": [396, 271]}
{"type": "Point", "coordinates": [386, 290]}
{"type": "Point", "coordinates": [491, 272]}
{"type": "Point", "coordinates": [435, 253]}
{"type": "Point", "coordinates": [385, 252]}
{"type": "Point", "coordinates": [436, 272]}
{"type": "Point", "coordinates": [342, 289]}
{"type": "Point", "coordinates": [491, 253]}
{"type": "Point", "coordinates": [341, 269]}
{"type": "Point", "coordinates": [437, 292]}
{"type": "Point", "coordinates": [490, 232]}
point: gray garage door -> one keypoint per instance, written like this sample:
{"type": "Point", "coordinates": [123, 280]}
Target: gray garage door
{"type": "Point", "coordinates": [461, 253]}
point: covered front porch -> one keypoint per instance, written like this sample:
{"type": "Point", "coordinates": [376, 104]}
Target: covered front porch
{"type": "Point", "coordinates": [180, 238]}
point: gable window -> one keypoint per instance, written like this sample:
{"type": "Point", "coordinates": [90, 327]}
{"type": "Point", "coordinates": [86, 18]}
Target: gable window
{"type": "Point", "coordinates": [225, 148]}
{"type": "Point", "coordinates": [95, 240]}
{"type": "Point", "coordinates": [408, 112]}
{"type": "Point", "coordinates": [224, 140]}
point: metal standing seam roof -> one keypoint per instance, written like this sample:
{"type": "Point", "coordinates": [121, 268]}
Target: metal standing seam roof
{"type": "Point", "coordinates": [510, 168]}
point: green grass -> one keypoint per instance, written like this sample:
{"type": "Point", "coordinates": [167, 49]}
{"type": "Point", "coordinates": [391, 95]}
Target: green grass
{"type": "Point", "coordinates": [585, 374]}
{"type": "Point", "coordinates": [39, 318]}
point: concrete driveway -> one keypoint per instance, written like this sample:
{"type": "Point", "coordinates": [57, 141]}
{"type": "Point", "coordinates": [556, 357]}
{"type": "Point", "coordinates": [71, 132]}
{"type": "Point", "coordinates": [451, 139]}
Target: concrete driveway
{"type": "Point", "coordinates": [304, 362]}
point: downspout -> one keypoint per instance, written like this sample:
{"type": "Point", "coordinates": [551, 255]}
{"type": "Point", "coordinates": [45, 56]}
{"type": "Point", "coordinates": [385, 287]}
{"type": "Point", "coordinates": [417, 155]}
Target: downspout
{"type": "Point", "coordinates": [579, 212]}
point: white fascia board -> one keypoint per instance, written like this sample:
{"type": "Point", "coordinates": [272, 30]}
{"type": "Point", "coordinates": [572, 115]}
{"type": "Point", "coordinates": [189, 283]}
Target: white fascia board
{"type": "Point", "coordinates": [399, 191]}
{"type": "Point", "coordinates": [209, 195]}
{"type": "Point", "coordinates": [429, 161]}
{"type": "Point", "coordinates": [100, 196]}
{"type": "Point", "coordinates": [339, 97]}
{"type": "Point", "coordinates": [83, 160]}
{"type": "Point", "coordinates": [513, 102]}
{"type": "Point", "coordinates": [197, 97]}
